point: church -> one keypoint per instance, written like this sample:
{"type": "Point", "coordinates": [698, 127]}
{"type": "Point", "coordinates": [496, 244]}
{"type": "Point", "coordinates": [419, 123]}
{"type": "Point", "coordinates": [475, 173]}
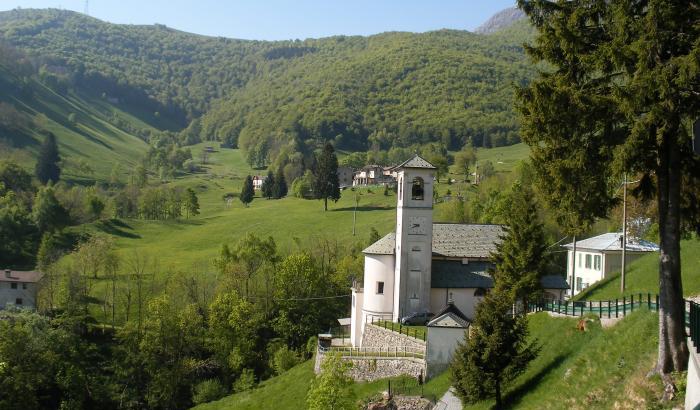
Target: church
{"type": "Point", "coordinates": [424, 265]}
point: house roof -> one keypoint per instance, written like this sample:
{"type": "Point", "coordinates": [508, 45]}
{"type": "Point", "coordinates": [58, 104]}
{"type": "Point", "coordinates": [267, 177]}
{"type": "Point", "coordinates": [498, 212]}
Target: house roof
{"type": "Point", "coordinates": [611, 242]}
{"type": "Point", "coordinates": [416, 162]}
{"type": "Point", "coordinates": [20, 276]}
{"type": "Point", "coordinates": [453, 313]}
{"type": "Point", "coordinates": [451, 241]}
{"type": "Point", "coordinates": [455, 274]}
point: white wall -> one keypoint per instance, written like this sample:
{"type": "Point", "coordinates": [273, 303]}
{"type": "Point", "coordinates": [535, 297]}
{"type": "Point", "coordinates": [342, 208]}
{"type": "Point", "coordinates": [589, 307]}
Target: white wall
{"type": "Point", "coordinates": [356, 318]}
{"type": "Point", "coordinates": [442, 342]}
{"type": "Point", "coordinates": [8, 295]}
{"type": "Point", "coordinates": [463, 298]}
{"type": "Point", "coordinates": [588, 275]}
{"type": "Point", "coordinates": [692, 390]}
{"type": "Point", "coordinates": [379, 268]}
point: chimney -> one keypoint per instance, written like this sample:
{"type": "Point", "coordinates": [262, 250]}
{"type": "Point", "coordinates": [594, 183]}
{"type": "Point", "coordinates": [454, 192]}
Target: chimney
{"type": "Point", "coordinates": [8, 273]}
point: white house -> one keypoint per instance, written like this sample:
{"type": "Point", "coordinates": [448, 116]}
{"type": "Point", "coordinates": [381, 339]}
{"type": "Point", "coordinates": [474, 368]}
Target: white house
{"type": "Point", "coordinates": [599, 256]}
{"type": "Point", "coordinates": [19, 289]}
{"type": "Point", "coordinates": [423, 265]}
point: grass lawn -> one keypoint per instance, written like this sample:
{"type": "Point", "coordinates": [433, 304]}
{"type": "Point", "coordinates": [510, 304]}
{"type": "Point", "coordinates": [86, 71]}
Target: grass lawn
{"type": "Point", "coordinates": [643, 276]}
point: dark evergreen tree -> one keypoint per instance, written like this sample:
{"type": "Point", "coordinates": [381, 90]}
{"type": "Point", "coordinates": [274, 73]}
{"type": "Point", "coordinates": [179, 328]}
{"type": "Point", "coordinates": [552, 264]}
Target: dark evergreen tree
{"type": "Point", "coordinates": [268, 186]}
{"type": "Point", "coordinates": [48, 214]}
{"type": "Point", "coordinates": [619, 96]}
{"type": "Point", "coordinates": [279, 190]}
{"type": "Point", "coordinates": [47, 168]}
{"type": "Point", "coordinates": [521, 256]}
{"type": "Point", "coordinates": [191, 203]}
{"type": "Point", "coordinates": [495, 353]}
{"type": "Point", "coordinates": [247, 192]}
{"type": "Point", "coordinates": [326, 184]}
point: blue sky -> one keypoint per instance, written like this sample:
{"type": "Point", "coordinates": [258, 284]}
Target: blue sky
{"type": "Point", "coordinates": [285, 19]}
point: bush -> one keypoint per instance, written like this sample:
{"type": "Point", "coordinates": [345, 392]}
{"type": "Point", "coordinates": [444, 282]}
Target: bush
{"type": "Point", "coordinates": [208, 390]}
{"type": "Point", "coordinates": [284, 359]}
{"type": "Point", "coordinates": [246, 381]}
{"type": "Point", "coordinates": [312, 346]}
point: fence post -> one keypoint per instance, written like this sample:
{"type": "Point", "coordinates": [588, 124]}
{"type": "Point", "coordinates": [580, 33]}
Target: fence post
{"type": "Point", "coordinates": [632, 301]}
{"type": "Point", "coordinates": [617, 308]}
{"type": "Point", "coordinates": [624, 307]}
{"type": "Point", "coordinates": [657, 302]}
{"type": "Point", "coordinates": [649, 301]}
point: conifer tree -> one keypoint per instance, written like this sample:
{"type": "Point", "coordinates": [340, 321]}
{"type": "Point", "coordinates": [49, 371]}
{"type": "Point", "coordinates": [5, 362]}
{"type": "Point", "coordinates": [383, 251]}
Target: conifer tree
{"type": "Point", "coordinates": [268, 186]}
{"type": "Point", "coordinates": [619, 95]}
{"type": "Point", "coordinates": [326, 184]}
{"type": "Point", "coordinates": [48, 214]}
{"type": "Point", "coordinates": [520, 257]}
{"type": "Point", "coordinates": [191, 203]}
{"type": "Point", "coordinates": [47, 168]}
{"type": "Point", "coordinates": [495, 353]}
{"type": "Point", "coordinates": [247, 192]}
{"type": "Point", "coordinates": [279, 190]}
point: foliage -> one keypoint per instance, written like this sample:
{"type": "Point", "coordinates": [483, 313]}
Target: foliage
{"type": "Point", "coordinates": [48, 214]}
{"type": "Point", "coordinates": [329, 389]}
{"type": "Point", "coordinates": [326, 184]}
{"type": "Point", "coordinates": [14, 178]}
{"type": "Point", "coordinates": [267, 185]}
{"type": "Point", "coordinates": [18, 234]}
{"type": "Point", "coordinates": [247, 192]}
{"type": "Point", "coordinates": [191, 203]}
{"type": "Point", "coordinates": [208, 390]}
{"type": "Point", "coordinates": [495, 352]}
{"type": "Point", "coordinates": [279, 188]}
{"type": "Point", "coordinates": [302, 187]}
{"type": "Point", "coordinates": [284, 359]}
{"type": "Point", "coordinates": [245, 381]}
{"type": "Point", "coordinates": [47, 168]}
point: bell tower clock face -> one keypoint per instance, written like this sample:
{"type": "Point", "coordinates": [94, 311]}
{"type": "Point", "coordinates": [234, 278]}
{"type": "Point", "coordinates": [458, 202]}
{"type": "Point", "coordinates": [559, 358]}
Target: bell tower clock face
{"type": "Point", "coordinates": [417, 225]}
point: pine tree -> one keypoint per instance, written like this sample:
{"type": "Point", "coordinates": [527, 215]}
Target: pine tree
{"type": "Point", "coordinates": [495, 353]}
{"type": "Point", "coordinates": [47, 168]}
{"type": "Point", "coordinates": [326, 184]}
{"type": "Point", "coordinates": [247, 192]}
{"type": "Point", "coordinates": [279, 190]}
{"type": "Point", "coordinates": [520, 257]}
{"type": "Point", "coordinates": [619, 96]}
{"type": "Point", "coordinates": [268, 186]}
{"type": "Point", "coordinates": [191, 203]}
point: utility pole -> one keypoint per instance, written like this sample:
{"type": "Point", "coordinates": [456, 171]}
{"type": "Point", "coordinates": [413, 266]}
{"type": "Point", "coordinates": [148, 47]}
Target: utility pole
{"type": "Point", "coordinates": [354, 213]}
{"type": "Point", "coordinates": [87, 8]}
{"type": "Point", "coordinates": [573, 270]}
{"type": "Point", "coordinates": [624, 233]}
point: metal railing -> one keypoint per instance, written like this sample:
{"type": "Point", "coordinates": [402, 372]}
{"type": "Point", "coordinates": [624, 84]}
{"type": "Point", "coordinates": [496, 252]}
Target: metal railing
{"type": "Point", "coordinates": [418, 333]}
{"type": "Point", "coordinates": [612, 308]}
{"type": "Point", "coordinates": [374, 352]}
{"type": "Point", "coordinates": [692, 321]}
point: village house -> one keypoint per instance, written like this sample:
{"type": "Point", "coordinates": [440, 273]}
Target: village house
{"type": "Point", "coordinates": [425, 266]}
{"type": "Point", "coordinates": [600, 256]}
{"type": "Point", "coordinates": [19, 289]}
{"type": "Point", "coordinates": [345, 176]}
{"type": "Point", "coordinates": [374, 175]}
{"type": "Point", "coordinates": [258, 181]}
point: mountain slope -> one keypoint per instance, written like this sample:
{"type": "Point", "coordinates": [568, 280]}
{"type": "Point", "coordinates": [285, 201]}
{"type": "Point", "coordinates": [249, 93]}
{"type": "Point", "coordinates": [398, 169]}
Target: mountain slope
{"type": "Point", "coordinates": [503, 19]}
{"type": "Point", "coordinates": [450, 86]}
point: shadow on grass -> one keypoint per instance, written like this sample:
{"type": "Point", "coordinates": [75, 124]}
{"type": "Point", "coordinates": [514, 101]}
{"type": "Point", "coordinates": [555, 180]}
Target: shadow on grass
{"type": "Point", "coordinates": [117, 228]}
{"type": "Point", "coordinates": [362, 208]}
{"type": "Point", "coordinates": [513, 397]}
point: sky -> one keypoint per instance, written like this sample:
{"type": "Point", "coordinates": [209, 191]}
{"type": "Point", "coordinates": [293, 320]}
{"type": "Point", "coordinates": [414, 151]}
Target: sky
{"type": "Point", "coordinates": [284, 19]}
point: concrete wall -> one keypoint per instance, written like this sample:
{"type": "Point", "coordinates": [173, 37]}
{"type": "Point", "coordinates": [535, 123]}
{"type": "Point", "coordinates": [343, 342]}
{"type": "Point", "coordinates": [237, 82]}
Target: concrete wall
{"type": "Point", "coordinates": [692, 390]}
{"type": "Point", "coordinates": [463, 298]}
{"type": "Point", "coordinates": [8, 296]}
{"type": "Point", "coordinates": [442, 343]}
{"type": "Point", "coordinates": [375, 336]}
{"type": "Point", "coordinates": [369, 369]}
{"type": "Point", "coordinates": [356, 318]}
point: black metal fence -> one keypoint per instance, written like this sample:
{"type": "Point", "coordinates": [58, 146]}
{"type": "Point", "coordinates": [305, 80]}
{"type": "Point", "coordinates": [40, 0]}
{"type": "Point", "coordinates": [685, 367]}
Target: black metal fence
{"type": "Point", "coordinates": [692, 321]}
{"type": "Point", "coordinates": [416, 332]}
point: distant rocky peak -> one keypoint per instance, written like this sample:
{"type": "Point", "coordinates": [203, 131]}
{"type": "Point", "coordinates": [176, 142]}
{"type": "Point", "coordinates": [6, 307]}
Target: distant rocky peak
{"type": "Point", "coordinates": [503, 19]}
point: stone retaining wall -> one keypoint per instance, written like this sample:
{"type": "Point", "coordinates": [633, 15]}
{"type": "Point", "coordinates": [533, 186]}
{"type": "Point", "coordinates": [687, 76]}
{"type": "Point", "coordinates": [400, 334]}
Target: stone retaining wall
{"type": "Point", "coordinates": [375, 336]}
{"type": "Point", "coordinates": [371, 368]}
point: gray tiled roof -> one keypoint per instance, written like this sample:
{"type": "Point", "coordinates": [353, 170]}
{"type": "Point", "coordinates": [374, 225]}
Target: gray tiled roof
{"type": "Point", "coordinates": [465, 240]}
{"type": "Point", "coordinates": [611, 242]}
{"type": "Point", "coordinates": [455, 274]}
{"type": "Point", "coordinates": [384, 246]}
{"type": "Point", "coordinates": [452, 311]}
{"type": "Point", "coordinates": [416, 162]}
{"type": "Point", "coordinates": [553, 282]}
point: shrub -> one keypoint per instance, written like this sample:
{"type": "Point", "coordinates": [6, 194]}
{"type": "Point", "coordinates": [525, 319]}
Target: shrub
{"type": "Point", "coordinates": [208, 390]}
{"type": "Point", "coordinates": [246, 381]}
{"type": "Point", "coordinates": [284, 359]}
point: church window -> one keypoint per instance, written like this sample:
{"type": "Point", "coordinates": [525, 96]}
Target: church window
{"type": "Point", "coordinates": [417, 190]}
{"type": "Point", "coordinates": [380, 288]}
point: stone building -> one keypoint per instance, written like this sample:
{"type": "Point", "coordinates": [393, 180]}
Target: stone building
{"type": "Point", "coordinates": [19, 289]}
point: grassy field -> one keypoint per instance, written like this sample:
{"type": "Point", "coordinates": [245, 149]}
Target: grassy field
{"type": "Point", "coordinates": [643, 276]}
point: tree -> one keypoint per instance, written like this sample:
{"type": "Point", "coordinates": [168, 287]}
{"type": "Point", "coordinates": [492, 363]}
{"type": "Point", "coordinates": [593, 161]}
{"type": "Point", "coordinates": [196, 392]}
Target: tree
{"type": "Point", "coordinates": [191, 203]}
{"type": "Point", "coordinates": [464, 159]}
{"type": "Point", "coordinates": [619, 96]}
{"type": "Point", "coordinates": [520, 257]}
{"type": "Point", "coordinates": [268, 185]}
{"type": "Point", "coordinates": [279, 189]}
{"type": "Point", "coordinates": [18, 234]}
{"type": "Point", "coordinates": [329, 389]}
{"type": "Point", "coordinates": [47, 168]}
{"type": "Point", "coordinates": [247, 192]}
{"type": "Point", "coordinates": [494, 352]}
{"type": "Point", "coordinates": [48, 214]}
{"type": "Point", "coordinates": [326, 184]}
{"type": "Point", "coordinates": [14, 177]}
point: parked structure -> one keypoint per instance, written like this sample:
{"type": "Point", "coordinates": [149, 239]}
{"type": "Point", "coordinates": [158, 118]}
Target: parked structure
{"type": "Point", "coordinates": [600, 256]}
{"type": "Point", "coordinates": [19, 289]}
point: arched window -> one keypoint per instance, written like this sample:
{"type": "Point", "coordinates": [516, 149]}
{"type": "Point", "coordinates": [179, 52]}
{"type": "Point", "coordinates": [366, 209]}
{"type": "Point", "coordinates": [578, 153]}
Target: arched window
{"type": "Point", "coordinates": [417, 191]}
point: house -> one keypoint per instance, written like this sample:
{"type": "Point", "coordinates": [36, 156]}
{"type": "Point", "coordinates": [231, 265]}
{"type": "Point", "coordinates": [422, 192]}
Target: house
{"type": "Point", "coordinates": [258, 181]}
{"type": "Point", "coordinates": [374, 175]}
{"type": "Point", "coordinates": [445, 332]}
{"type": "Point", "coordinates": [598, 257]}
{"type": "Point", "coordinates": [345, 176]}
{"type": "Point", "coordinates": [19, 288]}
{"type": "Point", "coordinates": [423, 265]}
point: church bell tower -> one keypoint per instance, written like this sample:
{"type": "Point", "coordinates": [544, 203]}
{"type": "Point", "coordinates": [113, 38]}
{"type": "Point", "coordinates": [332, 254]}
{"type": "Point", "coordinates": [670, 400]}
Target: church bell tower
{"type": "Point", "coordinates": [414, 235]}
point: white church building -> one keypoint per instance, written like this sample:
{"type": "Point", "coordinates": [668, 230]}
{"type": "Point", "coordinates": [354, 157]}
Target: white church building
{"type": "Point", "coordinates": [423, 265]}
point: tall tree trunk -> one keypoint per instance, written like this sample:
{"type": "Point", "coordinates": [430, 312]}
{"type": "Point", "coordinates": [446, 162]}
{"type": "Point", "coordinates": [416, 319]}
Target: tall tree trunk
{"type": "Point", "coordinates": [673, 351]}
{"type": "Point", "coordinates": [499, 403]}
{"type": "Point", "coordinates": [325, 203]}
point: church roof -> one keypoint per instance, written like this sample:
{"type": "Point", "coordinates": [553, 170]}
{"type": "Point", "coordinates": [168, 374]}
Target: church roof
{"type": "Point", "coordinates": [612, 241]}
{"type": "Point", "coordinates": [451, 240]}
{"type": "Point", "coordinates": [452, 312]}
{"type": "Point", "coordinates": [416, 162]}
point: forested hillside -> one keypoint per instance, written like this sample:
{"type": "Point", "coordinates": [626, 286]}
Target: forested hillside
{"type": "Point", "coordinates": [391, 89]}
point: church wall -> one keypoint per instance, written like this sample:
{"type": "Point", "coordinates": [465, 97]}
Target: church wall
{"type": "Point", "coordinates": [379, 268]}
{"type": "Point", "coordinates": [463, 298]}
{"type": "Point", "coordinates": [356, 318]}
